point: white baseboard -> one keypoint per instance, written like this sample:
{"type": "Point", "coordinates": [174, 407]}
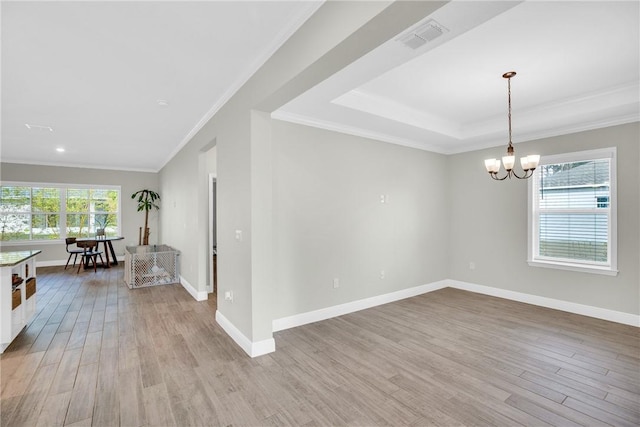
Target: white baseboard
{"type": "Point", "coordinates": [196, 294]}
{"type": "Point", "coordinates": [571, 307]}
{"type": "Point", "coordinates": [54, 263]}
{"type": "Point", "coordinates": [350, 307]}
{"type": "Point", "coordinates": [253, 349]}
{"type": "Point", "coordinates": [62, 262]}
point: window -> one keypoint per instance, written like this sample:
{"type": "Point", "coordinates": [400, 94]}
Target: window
{"type": "Point", "coordinates": [55, 211]}
{"type": "Point", "coordinates": [572, 223]}
{"type": "Point", "coordinates": [603, 202]}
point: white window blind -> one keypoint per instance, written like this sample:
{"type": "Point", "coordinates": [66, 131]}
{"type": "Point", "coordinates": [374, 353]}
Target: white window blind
{"type": "Point", "coordinates": [573, 211]}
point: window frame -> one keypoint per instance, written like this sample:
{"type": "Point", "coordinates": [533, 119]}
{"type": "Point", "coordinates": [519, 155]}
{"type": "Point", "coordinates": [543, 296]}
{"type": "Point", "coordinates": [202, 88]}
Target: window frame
{"type": "Point", "coordinates": [63, 187]}
{"type": "Point", "coordinates": [533, 226]}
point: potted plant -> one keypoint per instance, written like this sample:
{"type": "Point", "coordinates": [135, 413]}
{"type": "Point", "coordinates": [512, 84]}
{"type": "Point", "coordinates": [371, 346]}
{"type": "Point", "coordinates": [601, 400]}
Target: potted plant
{"type": "Point", "coordinates": [146, 202]}
{"type": "Point", "coordinates": [102, 224]}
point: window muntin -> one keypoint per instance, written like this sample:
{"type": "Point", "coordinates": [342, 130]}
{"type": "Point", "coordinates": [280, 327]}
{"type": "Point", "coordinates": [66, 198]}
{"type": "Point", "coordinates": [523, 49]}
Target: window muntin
{"type": "Point", "coordinates": [572, 212]}
{"type": "Point", "coordinates": [55, 211]}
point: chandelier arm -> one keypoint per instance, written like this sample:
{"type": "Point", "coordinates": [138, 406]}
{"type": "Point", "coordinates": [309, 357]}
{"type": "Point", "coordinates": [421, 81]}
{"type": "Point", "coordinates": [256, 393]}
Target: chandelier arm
{"type": "Point", "coordinates": [518, 176]}
{"type": "Point", "coordinates": [527, 174]}
{"type": "Point", "coordinates": [494, 175]}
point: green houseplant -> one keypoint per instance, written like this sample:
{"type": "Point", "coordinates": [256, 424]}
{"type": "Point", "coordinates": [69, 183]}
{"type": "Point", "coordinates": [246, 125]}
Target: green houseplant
{"type": "Point", "coordinates": [102, 222]}
{"type": "Point", "coordinates": [146, 202]}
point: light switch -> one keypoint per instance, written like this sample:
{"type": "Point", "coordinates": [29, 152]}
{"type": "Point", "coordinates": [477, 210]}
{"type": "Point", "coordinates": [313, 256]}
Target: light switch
{"type": "Point", "coordinates": [239, 235]}
{"type": "Point", "coordinates": [228, 296]}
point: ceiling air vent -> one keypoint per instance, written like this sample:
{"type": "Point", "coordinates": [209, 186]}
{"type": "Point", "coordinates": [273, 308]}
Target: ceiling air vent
{"type": "Point", "coordinates": [39, 128]}
{"type": "Point", "coordinates": [426, 32]}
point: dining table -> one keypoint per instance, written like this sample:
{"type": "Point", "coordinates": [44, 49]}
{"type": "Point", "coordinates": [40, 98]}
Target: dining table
{"type": "Point", "coordinates": [108, 247]}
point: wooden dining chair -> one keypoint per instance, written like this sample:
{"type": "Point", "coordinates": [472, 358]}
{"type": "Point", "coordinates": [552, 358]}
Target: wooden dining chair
{"type": "Point", "coordinates": [90, 253]}
{"type": "Point", "coordinates": [72, 252]}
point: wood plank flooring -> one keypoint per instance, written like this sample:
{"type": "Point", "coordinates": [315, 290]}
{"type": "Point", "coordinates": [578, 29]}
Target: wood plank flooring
{"type": "Point", "coordinates": [98, 354]}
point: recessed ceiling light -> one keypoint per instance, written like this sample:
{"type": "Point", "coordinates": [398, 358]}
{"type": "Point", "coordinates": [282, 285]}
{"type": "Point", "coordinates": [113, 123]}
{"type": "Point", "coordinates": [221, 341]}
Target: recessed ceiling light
{"type": "Point", "coordinates": [162, 103]}
{"type": "Point", "coordinates": [39, 127]}
{"type": "Point", "coordinates": [60, 150]}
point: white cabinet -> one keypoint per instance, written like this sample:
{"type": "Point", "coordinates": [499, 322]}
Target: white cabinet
{"type": "Point", "coordinates": [17, 293]}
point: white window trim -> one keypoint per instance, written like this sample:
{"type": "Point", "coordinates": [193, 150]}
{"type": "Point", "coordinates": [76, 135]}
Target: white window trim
{"type": "Point", "coordinates": [63, 208]}
{"type": "Point", "coordinates": [612, 268]}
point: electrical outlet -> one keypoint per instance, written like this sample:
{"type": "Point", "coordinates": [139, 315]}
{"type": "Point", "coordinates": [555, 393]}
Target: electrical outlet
{"type": "Point", "coordinates": [336, 283]}
{"type": "Point", "coordinates": [472, 265]}
{"type": "Point", "coordinates": [381, 274]}
{"type": "Point", "coordinates": [228, 296]}
{"type": "Point", "coordinates": [239, 235]}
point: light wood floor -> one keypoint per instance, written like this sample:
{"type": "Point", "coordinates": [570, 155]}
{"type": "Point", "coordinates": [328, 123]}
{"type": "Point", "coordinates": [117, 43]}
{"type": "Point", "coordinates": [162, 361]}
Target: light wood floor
{"type": "Point", "coordinates": [100, 354]}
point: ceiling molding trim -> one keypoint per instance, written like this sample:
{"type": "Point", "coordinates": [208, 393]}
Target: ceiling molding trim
{"type": "Point", "coordinates": [616, 95]}
{"type": "Point", "coordinates": [72, 165]}
{"type": "Point", "coordinates": [280, 39]}
{"type": "Point", "coordinates": [474, 146]}
{"type": "Point", "coordinates": [549, 133]}
{"type": "Point", "coordinates": [381, 106]}
{"type": "Point", "coordinates": [352, 130]}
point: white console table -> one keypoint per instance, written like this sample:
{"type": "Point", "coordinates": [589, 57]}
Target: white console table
{"type": "Point", "coordinates": [17, 303]}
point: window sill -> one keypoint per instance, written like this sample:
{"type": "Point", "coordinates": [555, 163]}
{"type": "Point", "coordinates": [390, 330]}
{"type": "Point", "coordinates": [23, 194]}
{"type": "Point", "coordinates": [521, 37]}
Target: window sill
{"type": "Point", "coordinates": [574, 267]}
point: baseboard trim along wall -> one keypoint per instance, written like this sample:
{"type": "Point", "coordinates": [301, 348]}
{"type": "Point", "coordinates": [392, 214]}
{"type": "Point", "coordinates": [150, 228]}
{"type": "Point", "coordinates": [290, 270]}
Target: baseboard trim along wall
{"type": "Point", "coordinates": [62, 262]}
{"type": "Point", "coordinates": [253, 349]}
{"type": "Point", "coordinates": [350, 307]}
{"type": "Point", "coordinates": [196, 294]}
{"type": "Point", "coordinates": [54, 263]}
{"type": "Point", "coordinates": [571, 307]}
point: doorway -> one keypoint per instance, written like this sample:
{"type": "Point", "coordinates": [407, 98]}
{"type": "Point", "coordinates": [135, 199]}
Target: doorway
{"type": "Point", "coordinates": [213, 247]}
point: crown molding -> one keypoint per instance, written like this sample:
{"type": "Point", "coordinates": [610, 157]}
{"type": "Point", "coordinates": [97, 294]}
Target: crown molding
{"type": "Point", "coordinates": [390, 109]}
{"type": "Point", "coordinates": [280, 39]}
{"type": "Point", "coordinates": [353, 130]}
{"type": "Point", "coordinates": [73, 165]}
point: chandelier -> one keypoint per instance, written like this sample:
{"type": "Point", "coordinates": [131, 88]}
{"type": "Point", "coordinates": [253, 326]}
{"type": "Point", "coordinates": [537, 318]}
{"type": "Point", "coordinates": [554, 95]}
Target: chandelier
{"type": "Point", "coordinates": [528, 163]}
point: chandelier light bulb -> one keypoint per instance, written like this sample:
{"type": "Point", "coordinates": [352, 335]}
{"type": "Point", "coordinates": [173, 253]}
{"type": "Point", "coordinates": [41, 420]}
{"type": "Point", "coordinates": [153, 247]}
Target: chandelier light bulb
{"type": "Point", "coordinates": [492, 165]}
{"type": "Point", "coordinates": [508, 162]}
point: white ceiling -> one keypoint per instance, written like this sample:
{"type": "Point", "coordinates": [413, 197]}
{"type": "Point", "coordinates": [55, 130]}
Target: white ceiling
{"type": "Point", "coordinates": [95, 71]}
{"type": "Point", "coordinates": [577, 67]}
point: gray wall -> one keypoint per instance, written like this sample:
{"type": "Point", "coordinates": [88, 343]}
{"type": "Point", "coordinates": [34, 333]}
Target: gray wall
{"type": "Point", "coordinates": [329, 221]}
{"type": "Point", "coordinates": [130, 182]}
{"type": "Point", "coordinates": [241, 129]}
{"type": "Point", "coordinates": [489, 225]}
{"type": "Point", "coordinates": [185, 222]}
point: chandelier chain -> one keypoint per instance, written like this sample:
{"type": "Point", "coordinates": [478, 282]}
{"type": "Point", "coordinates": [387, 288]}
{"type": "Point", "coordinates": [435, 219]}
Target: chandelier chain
{"type": "Point", "coordinates": [509, 99]}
